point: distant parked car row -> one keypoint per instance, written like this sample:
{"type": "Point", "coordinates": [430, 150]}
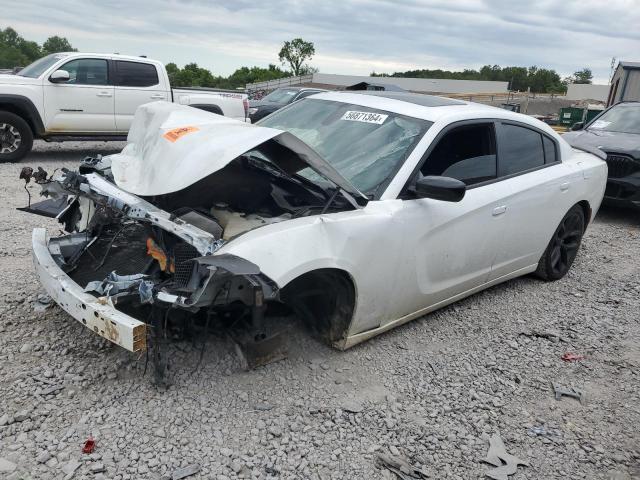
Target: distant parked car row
{"type": "Point", "coordinates": [277, 99]}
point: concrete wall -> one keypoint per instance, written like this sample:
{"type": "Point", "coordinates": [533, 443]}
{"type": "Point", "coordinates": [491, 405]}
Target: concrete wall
{"type": "Point", "coordinates": [577, 91]}
{"type": "Point", "coordinates": [430, 85]}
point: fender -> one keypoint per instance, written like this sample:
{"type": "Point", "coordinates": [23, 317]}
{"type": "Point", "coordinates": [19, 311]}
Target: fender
{"type": "Point", "coordinates": [212, 108]}
{"type": "Point", "coordinates": [23, 106]}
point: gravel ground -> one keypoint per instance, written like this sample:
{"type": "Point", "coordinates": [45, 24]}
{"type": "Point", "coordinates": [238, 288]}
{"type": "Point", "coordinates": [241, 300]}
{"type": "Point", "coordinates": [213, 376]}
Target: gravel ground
{"type": "Point", "coordinates": [433, 390]}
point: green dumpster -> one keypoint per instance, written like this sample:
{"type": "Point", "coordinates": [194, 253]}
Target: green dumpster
{"type": "Point", "coordinates": [570, 115]}
{"type": "Point", "coordinates": [592, 112]}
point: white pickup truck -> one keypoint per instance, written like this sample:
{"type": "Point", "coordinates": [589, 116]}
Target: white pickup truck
{"type": "Point", "coordinates": [87, 96]}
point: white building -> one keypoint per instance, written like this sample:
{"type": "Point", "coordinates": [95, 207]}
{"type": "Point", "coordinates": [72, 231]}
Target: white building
{"type": "Point", "coordinates": [587, 91]}
{"type": "Point", "coordinates": [423, 85]}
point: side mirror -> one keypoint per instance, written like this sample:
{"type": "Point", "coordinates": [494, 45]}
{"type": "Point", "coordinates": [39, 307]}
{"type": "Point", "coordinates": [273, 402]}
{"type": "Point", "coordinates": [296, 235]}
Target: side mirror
{"type": "Point", "coordinates": [59, 76]}
{"type": "Point", "coordinates": [577, 126]}
{"type": "Point", "coordinates": [440, 188]}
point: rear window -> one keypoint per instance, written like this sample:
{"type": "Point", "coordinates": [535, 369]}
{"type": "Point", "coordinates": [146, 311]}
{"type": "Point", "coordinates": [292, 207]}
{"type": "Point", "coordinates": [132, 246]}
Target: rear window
{"type": "Point", "coordinates": [135, 74]}
{"type": "Point", "coordinates": [521, 149]}
{"type": "Point", "coordinates": [550, 154]}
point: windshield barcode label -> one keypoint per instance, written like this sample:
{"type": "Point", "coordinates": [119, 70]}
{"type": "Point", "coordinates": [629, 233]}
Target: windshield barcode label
{"type": "Point", "coordinates": [366, 117]}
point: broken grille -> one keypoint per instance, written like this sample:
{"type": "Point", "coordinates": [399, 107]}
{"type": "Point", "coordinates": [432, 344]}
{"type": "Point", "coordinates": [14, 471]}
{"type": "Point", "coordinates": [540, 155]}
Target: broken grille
{"type": "Point", "coordinates": [622, 165]}
{"type": "Point", "coordinates": [182, 253]}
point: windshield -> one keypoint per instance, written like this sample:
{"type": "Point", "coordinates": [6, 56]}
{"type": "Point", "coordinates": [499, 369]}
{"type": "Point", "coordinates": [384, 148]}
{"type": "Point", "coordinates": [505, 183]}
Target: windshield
{"type": "Point", "coordinates": [281, 95]}
{"type": "Point", "coordinates": [37, 68]}
{"type": "Point", "coordinates": [623, 118]}
{"type": "Point", "coordinates": [365, 145]}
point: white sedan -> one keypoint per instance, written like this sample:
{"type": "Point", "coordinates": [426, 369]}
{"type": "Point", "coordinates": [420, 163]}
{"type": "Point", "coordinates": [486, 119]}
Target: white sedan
{"type": "Point", "coordinates": [357, 212]}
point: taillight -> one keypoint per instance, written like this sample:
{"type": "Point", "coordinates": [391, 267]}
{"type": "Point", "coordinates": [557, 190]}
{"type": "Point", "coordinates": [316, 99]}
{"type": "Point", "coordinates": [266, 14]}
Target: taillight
{"type": "Point", "coordinates": [245, 104]}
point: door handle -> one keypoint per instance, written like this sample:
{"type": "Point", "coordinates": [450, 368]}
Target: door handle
{"type": "Point", "coordinates": [104, 94]}
{"type": "Point", "coordinates": [564, 186]}
{"type": "Point", "coordinates": [158, 95]}
{"type": "Point", "coordinates": [499, 210]}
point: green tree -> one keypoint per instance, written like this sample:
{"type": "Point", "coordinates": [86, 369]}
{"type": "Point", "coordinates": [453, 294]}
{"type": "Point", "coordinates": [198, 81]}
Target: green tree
{"type": "Point", "coordinates": [16, 51]}
{"type": "Point", "coordinates": [582, 76]}
{"type": "Point", "coordinates": [56, 44]}
{"type": "Point", "coordinates": [295, 53]}
{"type": "Point", "coordinates": [245, 75]}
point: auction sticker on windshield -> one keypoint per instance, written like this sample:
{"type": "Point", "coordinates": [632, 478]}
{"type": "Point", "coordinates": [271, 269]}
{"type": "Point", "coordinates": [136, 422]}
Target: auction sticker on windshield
{"type": "Point", "coordinates": [366, 117]}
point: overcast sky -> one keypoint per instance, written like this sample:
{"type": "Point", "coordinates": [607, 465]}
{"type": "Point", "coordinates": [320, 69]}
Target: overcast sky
{"type": "Point", "coordinates": [351, 37]}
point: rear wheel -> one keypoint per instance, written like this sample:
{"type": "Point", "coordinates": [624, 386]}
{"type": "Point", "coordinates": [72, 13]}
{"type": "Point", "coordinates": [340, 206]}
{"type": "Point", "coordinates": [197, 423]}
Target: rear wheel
{"type": "Point", "coordinates": [16, 138]}
{"type": "Point", "coordinates": [563, 246]}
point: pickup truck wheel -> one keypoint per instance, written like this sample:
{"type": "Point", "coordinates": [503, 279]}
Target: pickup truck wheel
{"type": "Point", "coordinates": [16, 138]}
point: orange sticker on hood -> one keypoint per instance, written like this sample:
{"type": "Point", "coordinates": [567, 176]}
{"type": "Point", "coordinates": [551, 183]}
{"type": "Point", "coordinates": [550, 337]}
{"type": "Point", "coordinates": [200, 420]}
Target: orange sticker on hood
{"type": "Point", "coordinates": [177, 133]}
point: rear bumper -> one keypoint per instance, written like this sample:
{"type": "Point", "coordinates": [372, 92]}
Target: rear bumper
{"type": "Point", "coordinates": [99, 317]}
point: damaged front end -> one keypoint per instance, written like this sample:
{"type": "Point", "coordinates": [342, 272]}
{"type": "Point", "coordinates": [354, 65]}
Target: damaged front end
{"type": "Point", "coordinates": [144, 228]}
{"type": "Point", "coordinates": [129, 270]}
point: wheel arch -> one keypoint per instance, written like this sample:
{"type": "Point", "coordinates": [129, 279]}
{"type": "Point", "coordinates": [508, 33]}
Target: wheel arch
{"type": "Point", "coordinates": [211, 108]}
{"type": "Point", "coordinates": [586, 209]}
{"type": "Point", "coordinates": [336, 287]}
{"type": "Point", "coordinates": [24, 108]}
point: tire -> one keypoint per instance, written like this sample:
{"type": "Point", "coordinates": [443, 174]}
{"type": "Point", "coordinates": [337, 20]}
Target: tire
{"type": "Point", "coordinates": [563, 246]}
{"type": "Point", "coordinates": [16, 137]}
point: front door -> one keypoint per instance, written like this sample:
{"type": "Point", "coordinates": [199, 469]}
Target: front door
{"type": "Point", "coordinates": [450, 246]}
{"type": "Point", "coordinates": [83, 104]}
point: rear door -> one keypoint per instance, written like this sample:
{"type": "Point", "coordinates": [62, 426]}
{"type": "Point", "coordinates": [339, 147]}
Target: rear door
{"type": "Point", "coordinates": [539, 185]}
{"type": "Point", "coordinates": [83, 104]}
{"type": "Point", "coordinates": [136, 83]}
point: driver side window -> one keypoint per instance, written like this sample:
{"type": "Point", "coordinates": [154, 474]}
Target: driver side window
{"type": "Point", "coordinates": [87, 71]}
{"type": "Point", "coordinates": [467, 153]}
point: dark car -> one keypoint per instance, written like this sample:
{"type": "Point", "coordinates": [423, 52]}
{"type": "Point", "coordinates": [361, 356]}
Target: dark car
{"type": "Point", "coordinates": [277, 99]}
{"type": "Point", "coordinates": [616, 132]}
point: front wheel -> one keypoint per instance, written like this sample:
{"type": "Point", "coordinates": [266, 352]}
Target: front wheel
{"type": "Point", "coordinates": [16, 138]}
{"type": "Point", "coordinates": [563, 246]}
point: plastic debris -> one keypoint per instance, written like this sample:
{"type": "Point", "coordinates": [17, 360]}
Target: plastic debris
{"type": "Point", "coordinates": [561, 391]}
{"type": "Point", "coordinates": [543, 431]}
{"type": "Point", "coordinates": [89, 445]}
{"type": "Point", "coordinates": [185, 472]}
{"type": "Point", "coordinates": [505, 463]}
{"type": "Point", "coordinates": [115, 283]}
{"type": "Point", "coordinates": [42, 303]}
{"type": "Point", "coordinates": [572, 357]}
{"type": "Point", "coordinates": [401, 467]}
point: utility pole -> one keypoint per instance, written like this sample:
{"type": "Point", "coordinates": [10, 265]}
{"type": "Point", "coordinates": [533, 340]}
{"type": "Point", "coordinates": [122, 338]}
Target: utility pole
{"type": "Point", "coordinates": [613, 65]}
{"type": "Point", "coordinates": [526, 105]}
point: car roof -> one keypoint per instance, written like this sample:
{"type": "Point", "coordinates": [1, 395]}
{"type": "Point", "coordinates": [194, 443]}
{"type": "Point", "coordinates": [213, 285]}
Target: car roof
{"type": "Point", "coordinates": [430, 107]}
{"type": "Point", "coordinates": [114, 56]}
{"type": "Point", "coordinates": [427, 107]}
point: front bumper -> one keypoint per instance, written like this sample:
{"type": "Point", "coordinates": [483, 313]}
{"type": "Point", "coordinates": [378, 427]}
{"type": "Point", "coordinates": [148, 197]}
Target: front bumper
{"type": "Point", "coordinates": [92, 312]}
{"type": "Point", "coordinates": [624, 192]}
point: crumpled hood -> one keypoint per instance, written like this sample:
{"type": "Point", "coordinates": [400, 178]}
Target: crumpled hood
{"type": "Point", "coordinates": [173, 146]}
{"type": "Point", "coordinates": [608, 142]}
